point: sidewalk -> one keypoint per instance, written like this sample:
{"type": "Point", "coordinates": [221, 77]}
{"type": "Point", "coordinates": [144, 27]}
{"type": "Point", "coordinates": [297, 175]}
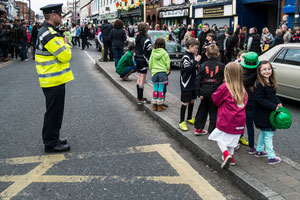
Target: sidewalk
{"type": "Point", "coordinates": [253, 176]}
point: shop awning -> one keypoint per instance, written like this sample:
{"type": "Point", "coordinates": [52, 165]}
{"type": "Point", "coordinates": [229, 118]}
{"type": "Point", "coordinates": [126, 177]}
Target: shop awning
{"type": "Point", "coordinates": [289, 9]}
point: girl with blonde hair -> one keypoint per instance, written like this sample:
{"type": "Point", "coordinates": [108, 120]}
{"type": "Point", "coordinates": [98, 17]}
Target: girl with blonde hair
{"type": "Point", "coordinates": [231, 99]}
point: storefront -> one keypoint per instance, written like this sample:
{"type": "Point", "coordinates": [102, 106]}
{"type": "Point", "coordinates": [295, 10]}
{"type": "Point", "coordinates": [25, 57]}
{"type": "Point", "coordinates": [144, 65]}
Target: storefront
{"type": "Point", "coordinates": [219, 13]}
{"type": "Point", "coordinates": [152, 12]}
{"type": "Point", "coordinates": [132, 16]}
{"type": "Point", "coordinates": [259, 14]}
{"type": "Point", "coordinates": [174, 15]}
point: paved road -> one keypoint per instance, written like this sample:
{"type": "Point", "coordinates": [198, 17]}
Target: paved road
{"type": "Point", "coordinates": [117, 151]}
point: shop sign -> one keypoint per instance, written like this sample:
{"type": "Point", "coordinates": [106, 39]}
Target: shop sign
{"type": "Point", "coordinates": [174, 13]}
{"type": "Point", "coordinates": [213, 11]}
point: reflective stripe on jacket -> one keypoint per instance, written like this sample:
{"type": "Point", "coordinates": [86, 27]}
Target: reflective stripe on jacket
{"type": "Point", "coordinates": [52, 58]}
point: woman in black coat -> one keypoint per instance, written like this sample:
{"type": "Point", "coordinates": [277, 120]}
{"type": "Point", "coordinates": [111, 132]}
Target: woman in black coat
{"type": "Point", "coordinates": [278, 39]}
{"type": "Point", "coordinates": [118, 38]}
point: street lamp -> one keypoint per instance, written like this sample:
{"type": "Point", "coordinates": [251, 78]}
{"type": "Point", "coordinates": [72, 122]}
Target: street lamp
{"type": "Point", "coordinates": [296, 22]}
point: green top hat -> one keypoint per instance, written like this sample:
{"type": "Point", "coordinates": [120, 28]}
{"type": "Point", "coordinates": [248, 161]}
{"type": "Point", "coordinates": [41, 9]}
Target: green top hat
{"type": "Point", "coordinates": [250, 60]}
{"type": "Point", "coordinates": [281, 118]}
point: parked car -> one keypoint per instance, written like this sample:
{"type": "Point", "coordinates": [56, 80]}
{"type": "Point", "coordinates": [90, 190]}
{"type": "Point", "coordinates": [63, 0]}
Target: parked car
{"type": "Point", "coordinates": [173, 48]}
{"type": "Point", "coordinates": [285, 59]}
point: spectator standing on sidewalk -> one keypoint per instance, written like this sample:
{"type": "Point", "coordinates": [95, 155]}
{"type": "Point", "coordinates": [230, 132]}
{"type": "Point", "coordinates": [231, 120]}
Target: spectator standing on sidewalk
{"type": "Point", "coordinates": [267, 35]}
{"type": "Point", "coordinates": [286, 34]}
{"type": "Point", "coordinates": [118, 38]}
{"type": "Point", "coordinates": [188, 67]}
{"type": "Point", "coordinates": [106, 27]}
{"type": "Point", "coordinates": [266, 101]}
{"type": "Point", "coordinates": [209, 78]}
{"type": "Point", "coordinates": [296, 37]}
{"type": "Point", "coordinates": [278, 39]}
{"type": "Point", "coordinates": [202, 37]}
{"type": "Point", "coordinates": [73, 34]}
{"type": "Point", "coordinates": [231, 98]}
{"type": "Point", "coordinates": [143, 48]}
{"type": "Point", "coordinates": [159, 66]}
{"type": "Point", "coordinates": [23, 41]}
{"type": "Point", "coordinates": [78, 33]}
{"type": "Point", "coordinates": [228, 45]}
{"type": "Point", "coordinates": [249, 63]}
{"type": "Point", "coordinates": [4, 42]}
{"type": "Point", "coordinates": [253, 43]}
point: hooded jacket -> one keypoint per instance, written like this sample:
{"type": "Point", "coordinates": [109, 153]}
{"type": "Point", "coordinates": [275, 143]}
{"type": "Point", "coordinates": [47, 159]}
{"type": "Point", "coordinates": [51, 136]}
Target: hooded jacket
{"type": "Point", "coordinates": [143, 48]}
{"type": "Point", "coordinates": [188, 72]}
{"type": "Point", "coordinates": [106, 29]}
{"type": "Point", "coordinates": [125, 62]}
{"type": "Point", "coordinates": [159, 61]}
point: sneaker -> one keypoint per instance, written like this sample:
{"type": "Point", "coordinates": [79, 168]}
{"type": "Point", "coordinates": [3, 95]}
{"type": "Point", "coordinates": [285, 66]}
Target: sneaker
{"type": "Point", "coordinates": [274, 160]}
{"type": "Point", "coordinates": [226, 162]}
{"type": "Point", "coordinates": [244, 141]}
{"type": "Point", "coordinates": [232, 161]}
{"type": "Point", "coordinates": [191, 121]}
{"type": "Point", "coordinates": [26, 60]}
{"type": "Point", "coordinates": [200, 132]}
{"type": "Point", "coordinates": [252, 151]}
{"type": "Point", "coordinates": [237, 147]}
{"type": "Point", "coordinates": [183, 126]}
{"type": "Point", "coordinates": [260, 154]}
{"type": "Point", "coordinates": [142, 101]}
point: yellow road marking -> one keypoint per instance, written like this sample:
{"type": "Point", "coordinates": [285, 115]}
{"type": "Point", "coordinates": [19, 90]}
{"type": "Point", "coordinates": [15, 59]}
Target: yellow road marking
{"type": "Point", "coordinates": [187, 175]}
{"type": "Point", "coordinates": [6, 63]}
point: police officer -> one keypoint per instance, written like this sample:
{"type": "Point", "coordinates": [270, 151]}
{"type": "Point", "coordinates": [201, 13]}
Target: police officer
{"type": "Point", "coordinates": [52, 64]}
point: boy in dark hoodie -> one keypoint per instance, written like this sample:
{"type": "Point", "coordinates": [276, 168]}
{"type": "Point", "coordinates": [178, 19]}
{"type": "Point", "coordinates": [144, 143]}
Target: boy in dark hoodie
{"type": "Point", "coordinates": [188, 67]}
{"type": "Point", "coordinates": [209, 78]}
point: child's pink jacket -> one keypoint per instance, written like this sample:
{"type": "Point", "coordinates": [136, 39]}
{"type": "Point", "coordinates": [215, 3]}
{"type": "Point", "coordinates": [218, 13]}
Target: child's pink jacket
{"type": "Point", "coordinates": [231, 119]}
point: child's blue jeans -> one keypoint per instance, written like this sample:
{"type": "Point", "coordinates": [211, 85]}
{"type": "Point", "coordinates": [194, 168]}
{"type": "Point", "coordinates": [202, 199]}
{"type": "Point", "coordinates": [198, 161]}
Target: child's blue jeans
{"type": "Point", "coordinates": [265, 139]}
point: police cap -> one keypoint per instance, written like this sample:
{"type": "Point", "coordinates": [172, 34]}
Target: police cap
{"type": "Point", "coordinates": [52, 8]}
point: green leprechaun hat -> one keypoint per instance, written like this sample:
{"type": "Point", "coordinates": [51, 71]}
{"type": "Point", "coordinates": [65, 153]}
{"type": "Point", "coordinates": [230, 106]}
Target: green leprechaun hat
{"type": "Point", "coordinates": [281, 118]}
{"type": "Point", "coordinates": [250, 60]}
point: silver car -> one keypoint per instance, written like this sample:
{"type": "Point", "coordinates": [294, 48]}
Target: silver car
{"type": "Point", "coordinates": [285, 59]}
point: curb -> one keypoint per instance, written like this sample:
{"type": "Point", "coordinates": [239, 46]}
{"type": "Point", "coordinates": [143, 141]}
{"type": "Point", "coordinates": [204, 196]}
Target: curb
{"type": "Point", "coordinates": [239, 177]}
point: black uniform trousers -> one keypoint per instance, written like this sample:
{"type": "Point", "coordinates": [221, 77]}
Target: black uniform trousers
{"type": "Point", "coordinates": [55, 101]}
{"type": "Point", "coordinates": [108, 47]}
{"type": "Point", "coordinates": [206, 107]}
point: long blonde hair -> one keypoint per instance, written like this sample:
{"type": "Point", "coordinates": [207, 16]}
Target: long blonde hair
{"type": "Point", "coordinates": [234, 81]}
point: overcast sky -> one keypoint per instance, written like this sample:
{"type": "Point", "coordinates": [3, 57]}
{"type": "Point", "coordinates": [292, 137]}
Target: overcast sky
{"type": "Point", "coordinates": [37, 4]}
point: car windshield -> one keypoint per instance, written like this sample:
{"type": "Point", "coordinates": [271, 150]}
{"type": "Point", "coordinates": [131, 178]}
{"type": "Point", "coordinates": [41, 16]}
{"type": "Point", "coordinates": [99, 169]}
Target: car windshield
{"type": "Point", "coordinates": [165, 35]}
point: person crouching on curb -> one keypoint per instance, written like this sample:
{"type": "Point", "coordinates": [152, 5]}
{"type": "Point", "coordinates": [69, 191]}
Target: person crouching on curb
{"type": "Point", "coordinates": [188, 67]}
{"type": "Point", "coordinates": [231, 99]}
{"type": "Point", "coordinates": [126, 65]}
{"type": "Point", "coordinates": [159, 64]}
{"type": "Point", "coordinates": [209, 78]}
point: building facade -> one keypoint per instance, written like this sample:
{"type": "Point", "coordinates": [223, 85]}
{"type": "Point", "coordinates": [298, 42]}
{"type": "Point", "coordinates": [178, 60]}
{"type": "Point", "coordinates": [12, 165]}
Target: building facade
{"type": "Point", "coordinates": [175, 12]}
{"type": "Point", "coordinates": [152, 11]}
{"type": "Point", "coordinates": [24, 11]}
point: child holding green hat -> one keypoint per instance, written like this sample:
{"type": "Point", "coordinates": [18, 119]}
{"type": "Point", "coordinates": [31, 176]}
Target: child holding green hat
{"type": "Point", "coordinates": [266, 101]}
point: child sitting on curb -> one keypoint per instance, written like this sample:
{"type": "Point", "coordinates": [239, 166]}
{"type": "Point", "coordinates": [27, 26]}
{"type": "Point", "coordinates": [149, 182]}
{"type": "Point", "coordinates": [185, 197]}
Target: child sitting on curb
{"type": "Point", "coordinates": [159, 65]}
{"type": "Point", "coordinates": [126, 65]}
{"type": "Point", "coordinates": [188, 67]}
{"type": "Point", "coordinates": [209, 78]}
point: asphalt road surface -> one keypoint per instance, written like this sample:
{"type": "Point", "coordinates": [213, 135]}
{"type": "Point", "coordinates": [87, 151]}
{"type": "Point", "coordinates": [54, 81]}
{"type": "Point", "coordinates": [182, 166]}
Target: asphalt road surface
{"type": "Point", "coordinates": [117, 151]}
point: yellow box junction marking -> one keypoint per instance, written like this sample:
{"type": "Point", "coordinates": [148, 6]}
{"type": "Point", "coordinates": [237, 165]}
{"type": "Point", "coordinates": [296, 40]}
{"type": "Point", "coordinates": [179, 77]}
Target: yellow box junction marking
{"type": "Point", "coordinates": [187, 175]}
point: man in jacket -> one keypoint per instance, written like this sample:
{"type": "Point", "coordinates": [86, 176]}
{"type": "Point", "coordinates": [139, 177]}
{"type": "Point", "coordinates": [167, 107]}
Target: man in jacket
{"type": "Point", "coordinates": [105, 29]}
{"type": "Point", "coordinates": [253, 43]}
{"type": "Point", "coordinates": [202, 37]}
{"type": "Point", "coordinates": [84, 36]}
{"type": "Point", "coordinates": [52, 63]}
{"type": "Point", "coordinates": [228, 47]}
{"type": "Point", "coordinates": [23, 41]}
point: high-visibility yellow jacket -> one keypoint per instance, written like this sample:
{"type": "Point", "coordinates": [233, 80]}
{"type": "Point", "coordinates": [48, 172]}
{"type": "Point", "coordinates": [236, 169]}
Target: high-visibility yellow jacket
{"type": "Point", "coordinates": [52, 57]}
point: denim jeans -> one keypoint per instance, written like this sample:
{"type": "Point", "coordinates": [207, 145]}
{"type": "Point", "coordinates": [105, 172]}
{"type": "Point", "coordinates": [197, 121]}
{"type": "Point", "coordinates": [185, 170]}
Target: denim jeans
{"type": "Point", "coordinates": [128, 69]}
{"type": "Point", "coordinates": [249, 123]}
{"type": "Point", "coordinates": [159, 78]}
{"type": "Point", "coordinates": [118, 52]}
{"type": "Point", "coordinates": [24, 51]}
{"type": "Point", "coordinates": [265, 139]}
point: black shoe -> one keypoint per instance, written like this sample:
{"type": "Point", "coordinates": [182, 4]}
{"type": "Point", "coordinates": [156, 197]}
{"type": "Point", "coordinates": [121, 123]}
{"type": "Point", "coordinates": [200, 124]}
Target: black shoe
{"type": "Point", "coordinates": [63, 141]}
{"type": "Point", "coordinates": [58, 148]}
